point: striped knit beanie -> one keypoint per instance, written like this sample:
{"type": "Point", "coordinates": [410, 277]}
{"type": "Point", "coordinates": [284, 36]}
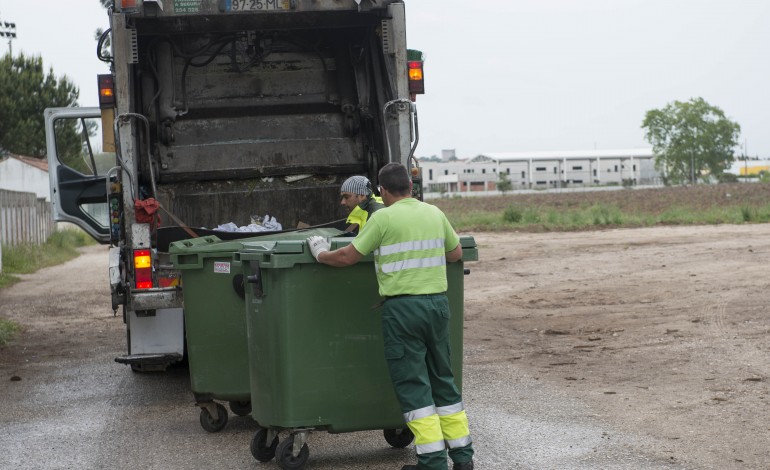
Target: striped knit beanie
{"type": "Point", "coordinates": [357, 185]}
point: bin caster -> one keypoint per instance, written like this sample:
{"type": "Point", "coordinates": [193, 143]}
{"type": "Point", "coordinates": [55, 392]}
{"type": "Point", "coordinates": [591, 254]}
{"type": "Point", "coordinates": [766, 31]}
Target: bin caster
{"type": "Point", "coordinates": [399, 438]}
{"type": "Point", "coordinates": [259, 448]}
{"type": "Point", "coordinates": [292, 453]}
{"type": "Point", "coordinates": [213, 416]}
{"type": "Point", "coordinates": [240, 408]}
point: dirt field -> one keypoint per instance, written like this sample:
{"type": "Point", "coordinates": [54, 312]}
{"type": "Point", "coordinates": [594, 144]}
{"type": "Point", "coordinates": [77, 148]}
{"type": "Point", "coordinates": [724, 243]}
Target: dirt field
{"type": "Point", "coordinates": [661, 332]}
{"type": "Point", "coordinates": [664, 331]}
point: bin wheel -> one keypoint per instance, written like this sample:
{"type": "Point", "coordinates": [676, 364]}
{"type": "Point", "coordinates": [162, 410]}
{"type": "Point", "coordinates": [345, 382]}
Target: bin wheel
{"type": "Point", "coordinates": [399, 438]}
{"type": "Point", "coordinates": [286, 460]}
{"type": "Point", "coordinates": [209, 423]}
{"type": "Point", "coordinates": [240, 408]}
{"type": "Point", "coordinates": [259, 447]}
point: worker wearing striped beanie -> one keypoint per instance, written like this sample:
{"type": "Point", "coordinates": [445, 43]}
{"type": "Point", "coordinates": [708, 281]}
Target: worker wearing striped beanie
{"type": "Point", "coordinates": [357, 196]}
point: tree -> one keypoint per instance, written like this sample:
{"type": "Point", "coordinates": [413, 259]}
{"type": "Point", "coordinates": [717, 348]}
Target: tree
{"type": "Point", "coordinates": [691, 139]}
{"type": "Point", "coordinates": [503, 183]}
{"type": "Point", "coordinates": [25, 91]}
{"type": "Point", "coordinates": [103, 38]}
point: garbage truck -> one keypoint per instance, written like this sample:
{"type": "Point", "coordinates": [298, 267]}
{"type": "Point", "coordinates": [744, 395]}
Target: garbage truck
{"type": "Point", "coordinates": [242, 112]}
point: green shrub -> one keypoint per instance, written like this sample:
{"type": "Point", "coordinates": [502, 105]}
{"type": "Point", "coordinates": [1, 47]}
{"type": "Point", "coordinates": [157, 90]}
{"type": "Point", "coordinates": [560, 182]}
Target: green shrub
{"type": "Point", "coordinates": [512, 215]}
{"type": "Point", "coordinates": [747, 213]}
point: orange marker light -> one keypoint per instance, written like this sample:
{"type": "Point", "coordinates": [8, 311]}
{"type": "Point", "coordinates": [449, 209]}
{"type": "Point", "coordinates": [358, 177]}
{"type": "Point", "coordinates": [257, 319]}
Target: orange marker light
{"type": "Point", "coordinates": [106, 91]}
{"type": "Point", "coordinates": [143, 269]}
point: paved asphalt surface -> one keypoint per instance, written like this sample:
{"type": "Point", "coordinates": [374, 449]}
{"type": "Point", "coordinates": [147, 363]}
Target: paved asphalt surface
{"type": "Point", "coordinates": [91, 413]}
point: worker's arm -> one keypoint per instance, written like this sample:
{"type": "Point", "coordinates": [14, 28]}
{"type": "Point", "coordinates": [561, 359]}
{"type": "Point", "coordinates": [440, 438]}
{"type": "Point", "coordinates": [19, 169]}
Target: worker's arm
{"type": "Point", "coordinates": [455, 255]}
{"type": "Point", "coordinates": [345, 256]}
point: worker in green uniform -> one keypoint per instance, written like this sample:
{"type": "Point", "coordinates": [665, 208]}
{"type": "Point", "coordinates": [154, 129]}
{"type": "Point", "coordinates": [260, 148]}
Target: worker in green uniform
{"type": "Point", "coordinates": [357, 196]}
{"type": "Point", "coordinates": [412, 241]}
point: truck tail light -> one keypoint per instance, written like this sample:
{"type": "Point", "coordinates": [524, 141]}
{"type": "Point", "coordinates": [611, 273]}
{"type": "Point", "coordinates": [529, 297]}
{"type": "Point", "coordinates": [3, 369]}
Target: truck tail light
{"type": "Point", "coordinates": [416, 82]}
{"type": "Point", "coordinates": [143, 269]}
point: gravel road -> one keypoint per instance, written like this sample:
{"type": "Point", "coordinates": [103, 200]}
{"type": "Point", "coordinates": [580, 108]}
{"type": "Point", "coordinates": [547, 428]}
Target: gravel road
{"type": "Point", "coordinates": [71, 406]}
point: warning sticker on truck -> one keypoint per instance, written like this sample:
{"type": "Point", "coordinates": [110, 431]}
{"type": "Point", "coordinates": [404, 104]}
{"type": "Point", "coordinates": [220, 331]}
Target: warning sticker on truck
{"type": "Point", "coordinates": [187, 6]}
{"type": "Point", "coordinates": [222, 267]}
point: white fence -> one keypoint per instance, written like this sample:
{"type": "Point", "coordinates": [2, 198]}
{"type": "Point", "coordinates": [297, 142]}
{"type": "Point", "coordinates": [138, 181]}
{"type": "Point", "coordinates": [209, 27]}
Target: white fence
{"type": "Point", "coordinates": [24, 218]}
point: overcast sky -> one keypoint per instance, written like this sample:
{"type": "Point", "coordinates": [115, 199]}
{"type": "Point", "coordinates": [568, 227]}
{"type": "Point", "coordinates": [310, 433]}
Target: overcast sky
{"type": "Point", "coordinates": [524, 75]}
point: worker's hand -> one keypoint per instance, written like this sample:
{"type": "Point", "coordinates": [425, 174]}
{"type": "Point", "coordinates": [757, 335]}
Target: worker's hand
{"type": "Point", "coordinates": [318, 245]}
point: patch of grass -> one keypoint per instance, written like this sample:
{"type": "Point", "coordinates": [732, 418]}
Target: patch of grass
{"type": "Point", "coordinates": [7, 330]}
{"type": "Point", "coordinates": [532, 212]}
{"type": "Point", "coordinates": [603, 215]}
{"type": "Point", "coordinates": [7, 280]}
{"type": "Point", "coordinates": [27, 258]}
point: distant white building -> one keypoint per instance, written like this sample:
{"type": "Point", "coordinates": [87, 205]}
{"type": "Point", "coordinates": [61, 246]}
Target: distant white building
{"type": "Point", "coordinates": [533, 170]}
{"type": "Point", "coordinates": [25, 174]}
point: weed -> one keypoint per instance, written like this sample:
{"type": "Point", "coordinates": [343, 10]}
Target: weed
{"type": "Point", "coordinates": [7, 330]}
{"type": "Point", "coordinates": [512, 215]}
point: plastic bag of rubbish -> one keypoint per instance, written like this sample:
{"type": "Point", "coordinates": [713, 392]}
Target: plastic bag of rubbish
{"type": "Point", "coordinates": [258, 224]}
{"type": "Point", "coordinates": [228, 227]}
{"type": "Point", "coordinates": [271, 224]}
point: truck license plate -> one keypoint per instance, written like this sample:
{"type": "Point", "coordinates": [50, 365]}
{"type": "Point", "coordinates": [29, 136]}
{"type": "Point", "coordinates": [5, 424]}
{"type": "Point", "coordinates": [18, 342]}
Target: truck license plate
{"type": "Point", "coordinates": [257, 5]}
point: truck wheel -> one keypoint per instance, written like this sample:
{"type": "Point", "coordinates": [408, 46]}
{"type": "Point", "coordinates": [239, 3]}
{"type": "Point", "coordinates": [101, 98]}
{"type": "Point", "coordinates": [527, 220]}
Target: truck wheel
{"type": "Point", "coordinates": [287, 461]}
{"type": "Point", "coordinates": [240, 408]}
{"type": "Point", "coordinates": [399, 438]}
{"type": "Point", "coordinates": [209, 423]}
{"type": "Point", "coordinates": [259, 447]}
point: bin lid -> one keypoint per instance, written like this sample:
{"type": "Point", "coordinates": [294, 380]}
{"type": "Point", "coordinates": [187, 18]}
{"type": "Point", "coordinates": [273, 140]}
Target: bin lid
{"type": "Point", "coordinates": [293, 250]}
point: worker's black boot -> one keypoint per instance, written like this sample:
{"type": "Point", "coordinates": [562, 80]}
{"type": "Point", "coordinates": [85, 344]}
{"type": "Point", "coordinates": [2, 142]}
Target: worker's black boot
{"type": "Point", "coordinates": [409, 467]}
{"type": "Point", "coordinates": [463, 466]}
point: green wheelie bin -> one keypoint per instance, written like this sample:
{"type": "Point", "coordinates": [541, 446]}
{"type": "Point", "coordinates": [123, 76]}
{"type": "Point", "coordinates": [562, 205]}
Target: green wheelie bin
{"type": "Point", "coordinates": [316, 353]}
{"type": "Point", "coordinates": [215, 321]}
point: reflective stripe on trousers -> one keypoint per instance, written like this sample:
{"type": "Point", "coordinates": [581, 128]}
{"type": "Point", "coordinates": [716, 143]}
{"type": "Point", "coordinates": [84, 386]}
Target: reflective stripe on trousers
{"type": "Point", "coordinates": [425, 423]}
{"type": "Point", "coordinates": [454, 425]}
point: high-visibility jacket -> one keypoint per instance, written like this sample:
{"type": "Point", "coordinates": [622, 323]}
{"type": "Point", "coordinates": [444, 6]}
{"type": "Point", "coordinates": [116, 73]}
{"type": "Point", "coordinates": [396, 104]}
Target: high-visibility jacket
{"type": "Point", "coordinates": [361, 213]}
{"type": "Point", "coordinates": [409, 240]}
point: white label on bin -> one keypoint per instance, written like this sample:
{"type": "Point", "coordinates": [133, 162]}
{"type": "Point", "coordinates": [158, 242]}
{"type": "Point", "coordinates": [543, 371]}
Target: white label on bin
{"type": "Point", "coordinates": [221, 267]}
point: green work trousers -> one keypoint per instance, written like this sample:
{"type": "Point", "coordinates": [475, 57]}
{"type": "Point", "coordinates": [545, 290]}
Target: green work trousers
{"type": "Point", "coordinates": [417, 349]}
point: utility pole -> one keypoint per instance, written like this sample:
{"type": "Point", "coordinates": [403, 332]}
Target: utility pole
{"type": "Point", "coordinates": [745, 163]}
{"type": "Point", "coordinates": [8, 30]}
{"type": "Point", "coordinates": [692, 168]}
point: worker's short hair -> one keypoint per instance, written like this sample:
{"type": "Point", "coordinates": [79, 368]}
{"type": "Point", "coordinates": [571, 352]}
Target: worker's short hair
{"type": "Point", "coordinates": [395, 178]}
{"type": "Point", "coordinates": [357, 185]}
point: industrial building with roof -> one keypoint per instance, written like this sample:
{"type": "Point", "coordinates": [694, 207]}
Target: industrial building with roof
{"type": "Point", "coordinates": [542, 170]}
